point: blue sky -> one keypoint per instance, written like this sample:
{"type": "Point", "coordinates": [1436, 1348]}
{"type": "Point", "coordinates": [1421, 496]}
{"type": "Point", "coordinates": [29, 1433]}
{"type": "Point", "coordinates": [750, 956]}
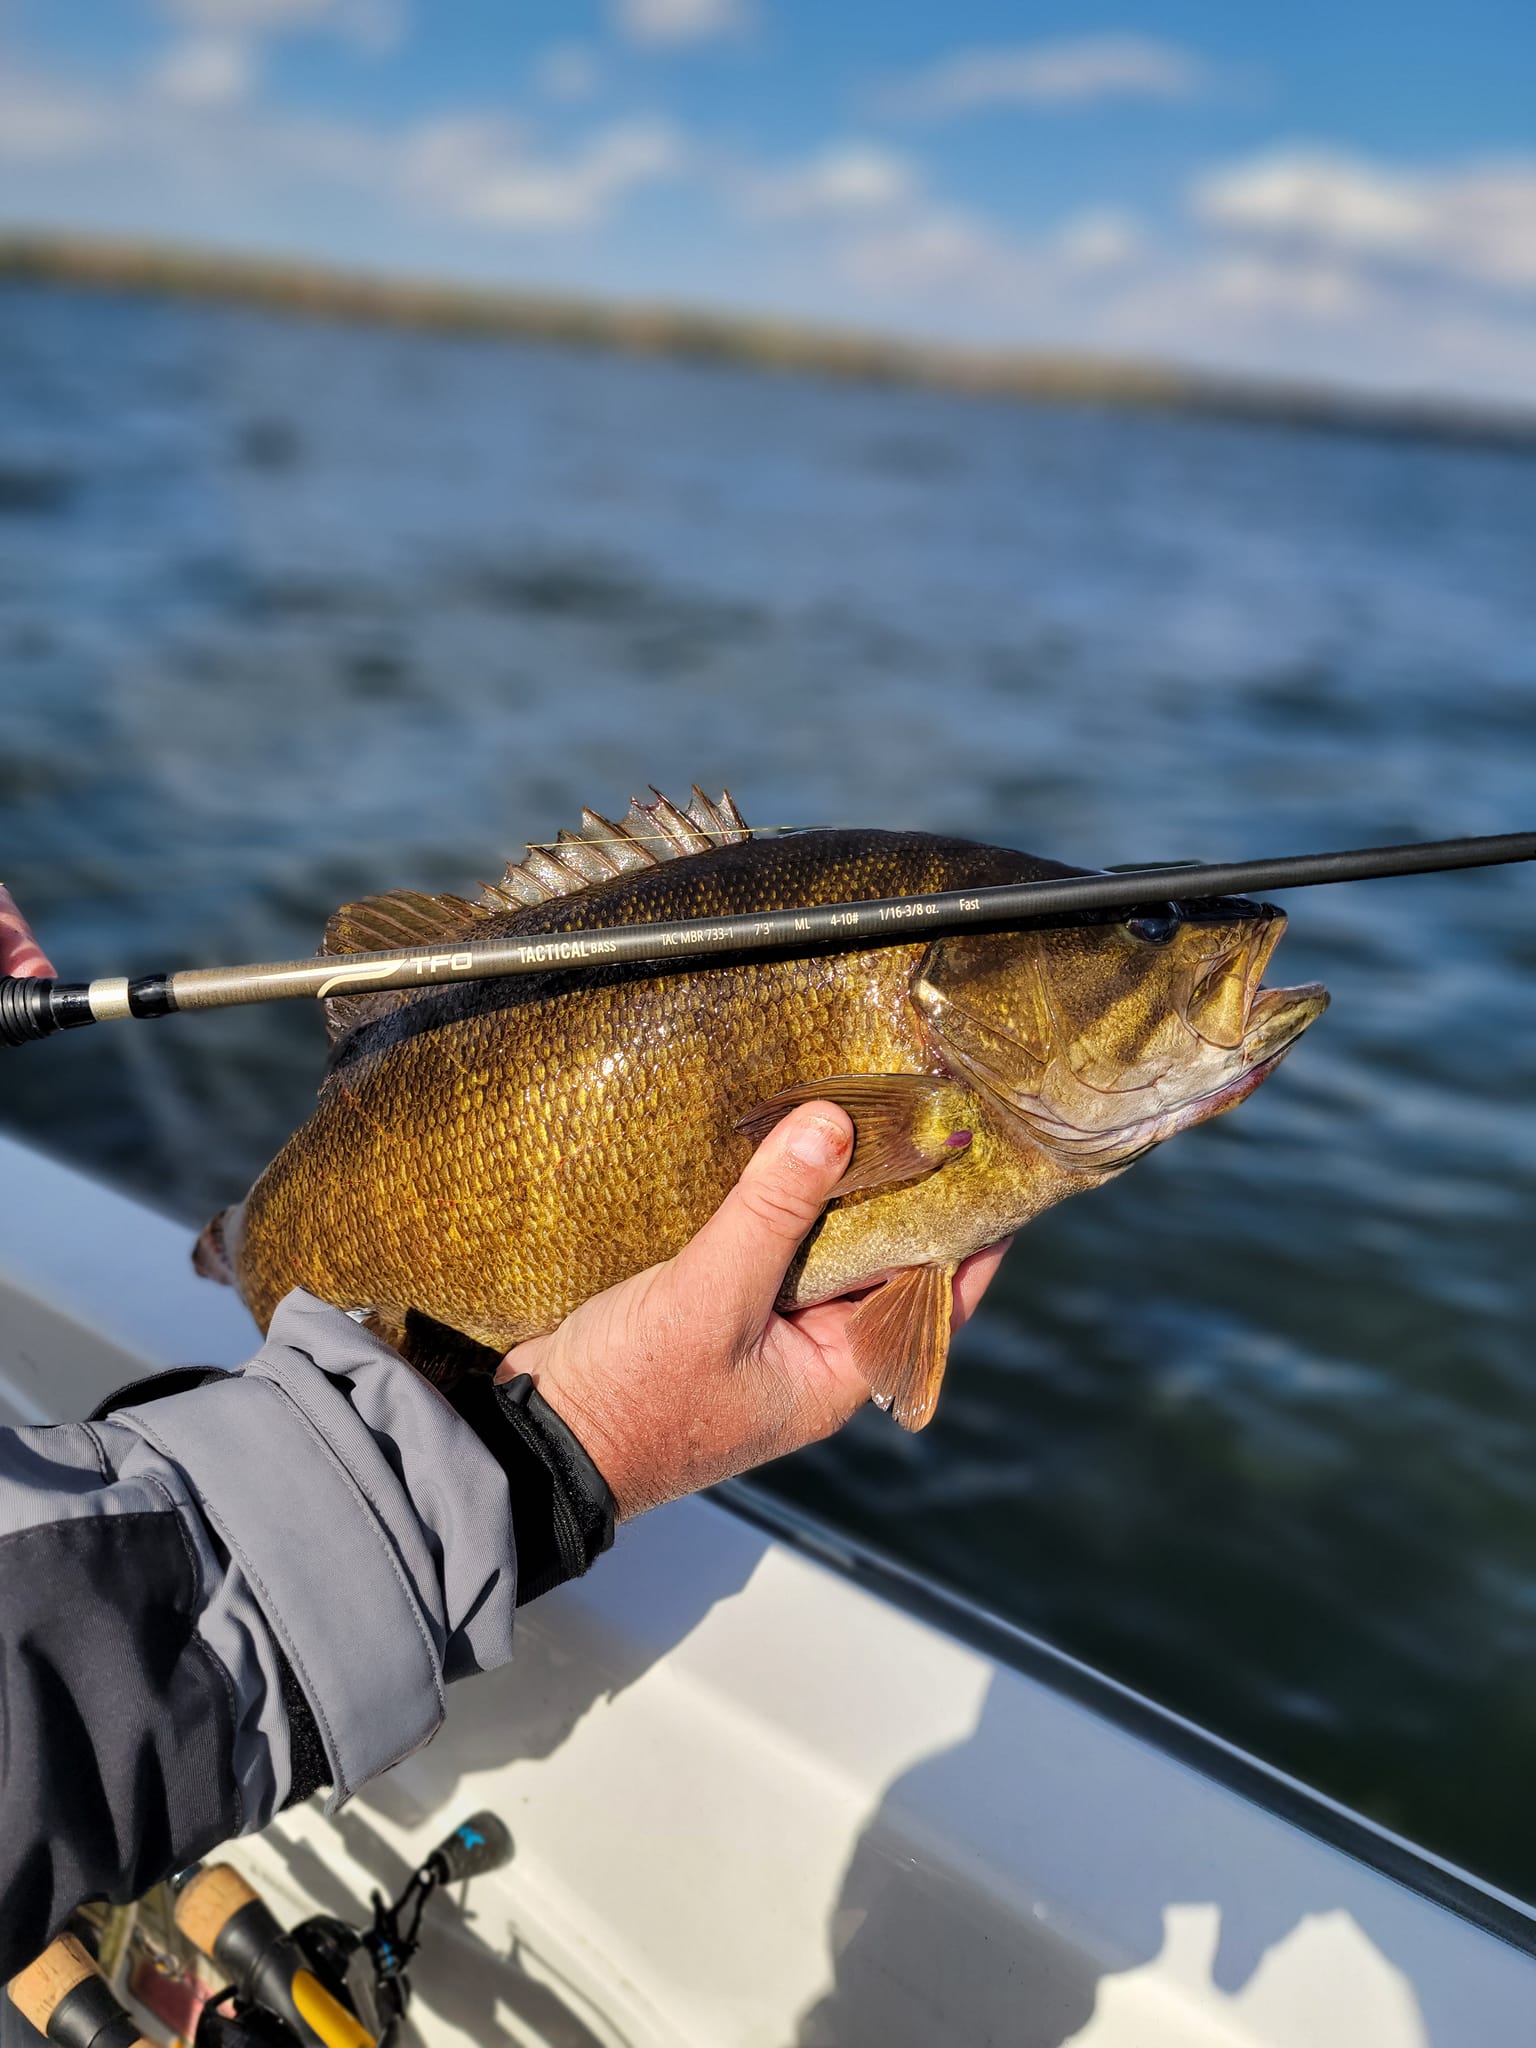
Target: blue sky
{"type": "Point", "coordinates": [1345, 192]}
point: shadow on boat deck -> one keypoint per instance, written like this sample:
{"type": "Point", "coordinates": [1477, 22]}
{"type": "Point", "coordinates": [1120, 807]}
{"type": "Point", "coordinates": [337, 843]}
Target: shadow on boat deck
{"type": "Point", "coordinates": [930, 1954]}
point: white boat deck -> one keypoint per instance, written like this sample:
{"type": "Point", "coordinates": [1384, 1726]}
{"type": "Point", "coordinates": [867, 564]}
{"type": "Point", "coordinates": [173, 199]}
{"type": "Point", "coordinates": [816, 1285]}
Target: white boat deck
{"type": "Point", "coordinates": [762, 1799]}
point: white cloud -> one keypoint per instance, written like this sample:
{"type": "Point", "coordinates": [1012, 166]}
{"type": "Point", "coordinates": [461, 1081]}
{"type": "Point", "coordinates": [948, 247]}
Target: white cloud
{"type": "Point", "coordinates": [43, 122]}
{"type": "Point", "coordinates": [845, 181]}
{"type": "Point", "coordinates": [1294, 279]}
{"type": "Point", "coordinates": [567, 71]}
{"type": "Point", "coordinates": [217, 59]}
{"type": "Point", "coordinates": [935, 250]}
{"type": "Point", "coordinates": [485, 172]}
{"type": "Point", "coordinates": [1073, 73]}
{"type": "Point", "coordinates": [1100, 240]}
{"type": "Point", "coordinates": [680, 21]}
{"type": "Point", "coordinates": [1475, 222]}
{"type": "Point", "coordinates": [206, 71]}
{"type": "Point", "coordinates": [183, 161]}
{"type": "Point", "coordinates": [372, 24]}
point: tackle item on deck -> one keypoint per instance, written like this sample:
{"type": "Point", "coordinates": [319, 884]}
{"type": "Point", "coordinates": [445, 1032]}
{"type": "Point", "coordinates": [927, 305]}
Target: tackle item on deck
{"type": "Point", "coordinates": [486, 1155]}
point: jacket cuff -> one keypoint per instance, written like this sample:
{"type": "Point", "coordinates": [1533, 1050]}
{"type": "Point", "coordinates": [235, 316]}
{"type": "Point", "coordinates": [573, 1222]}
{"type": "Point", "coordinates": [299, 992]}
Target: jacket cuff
{"type": "Point", "coordinates": [562, 1510]}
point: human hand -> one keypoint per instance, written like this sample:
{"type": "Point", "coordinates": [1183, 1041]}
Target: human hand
{"type": "Point", "coordinates": [19, 951]}
{"type": "Point", "coordinates": [687, 1374]}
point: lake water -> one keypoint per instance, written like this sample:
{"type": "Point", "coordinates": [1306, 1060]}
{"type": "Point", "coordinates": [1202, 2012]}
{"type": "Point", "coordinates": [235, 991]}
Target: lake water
{"type": "Point", "coordinates": [293, 611]}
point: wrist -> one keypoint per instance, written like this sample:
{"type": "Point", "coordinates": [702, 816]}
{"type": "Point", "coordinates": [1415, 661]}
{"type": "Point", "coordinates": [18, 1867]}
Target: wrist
{"type": "Point", "coordinates": [563, 1509]}
{"type": "Point", "coordinates": [601, 1437]}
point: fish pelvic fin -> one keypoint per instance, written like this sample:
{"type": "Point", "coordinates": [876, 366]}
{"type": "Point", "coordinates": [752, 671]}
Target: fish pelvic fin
{"type": "Point", "coordinates": [647, 835]}
{"type": "Point", "coordinates": [905, 1125]}
{"type": "Point", "coordinates": [441, 1354]}
{"type": "Point", "coordinates": [899, 1339]}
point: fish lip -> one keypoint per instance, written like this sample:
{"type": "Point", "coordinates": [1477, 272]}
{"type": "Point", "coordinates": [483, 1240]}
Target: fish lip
{"type": "Point", "coordinates": [1278, 1018]}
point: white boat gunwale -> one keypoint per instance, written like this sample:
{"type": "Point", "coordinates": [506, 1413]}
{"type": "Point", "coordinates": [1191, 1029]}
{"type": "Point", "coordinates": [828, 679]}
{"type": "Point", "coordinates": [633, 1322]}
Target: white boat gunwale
{"type": "Point", "coordinates": [1289, 1799]}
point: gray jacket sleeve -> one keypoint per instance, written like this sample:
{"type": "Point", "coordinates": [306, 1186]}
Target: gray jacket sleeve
{"type": "Point", "coordinates": [216, 1597]}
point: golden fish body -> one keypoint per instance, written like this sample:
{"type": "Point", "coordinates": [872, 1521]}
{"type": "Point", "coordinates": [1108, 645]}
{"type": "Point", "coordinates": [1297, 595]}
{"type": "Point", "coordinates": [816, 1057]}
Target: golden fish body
{"type": "Point", "coordinates": [486, 1156]}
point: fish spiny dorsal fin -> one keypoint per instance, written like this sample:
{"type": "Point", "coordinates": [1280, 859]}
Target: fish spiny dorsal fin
{"type": "Point", "coordinates": [573, 861]}
{"type": "Point", "coordinates": [377, 924]}
{"type": "Point", "coordinates": [649, 834]}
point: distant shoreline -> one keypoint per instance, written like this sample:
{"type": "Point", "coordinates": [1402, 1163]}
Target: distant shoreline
{"type": "Point", "coordinates": [746, 340]}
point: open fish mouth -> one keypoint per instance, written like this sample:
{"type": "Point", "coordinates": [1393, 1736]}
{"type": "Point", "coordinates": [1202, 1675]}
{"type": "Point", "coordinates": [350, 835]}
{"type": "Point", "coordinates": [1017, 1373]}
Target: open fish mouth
{"type": "Point", "coordinates": [1278, 1018]}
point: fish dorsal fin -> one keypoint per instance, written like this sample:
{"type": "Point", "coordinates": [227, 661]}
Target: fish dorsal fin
{"type": "Point", "coordinates": [648, 835]}
{"type": "Point", "coordinates": [400, 917]}
{"type": "Point", "coordinates": [377, 924]}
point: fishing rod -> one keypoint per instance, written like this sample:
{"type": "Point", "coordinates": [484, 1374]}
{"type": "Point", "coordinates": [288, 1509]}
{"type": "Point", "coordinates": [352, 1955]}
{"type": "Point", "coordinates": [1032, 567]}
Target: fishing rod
{"type": "Point", "coordinates": [32, 1008]}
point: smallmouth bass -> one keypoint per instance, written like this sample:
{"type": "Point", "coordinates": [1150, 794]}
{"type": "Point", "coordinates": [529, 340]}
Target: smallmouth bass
{"type": "Point", "coordinates": [485, 1156]}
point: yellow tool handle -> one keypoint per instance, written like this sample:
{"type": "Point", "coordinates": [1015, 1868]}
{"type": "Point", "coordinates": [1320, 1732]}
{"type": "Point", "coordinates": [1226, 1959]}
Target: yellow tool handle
{"type": "Point", "coordinates": [206, 1907]}
{"type": "Point", "coordinates": [42, 1987]}
{"type": "Point", "coordinates": [336, 2027]}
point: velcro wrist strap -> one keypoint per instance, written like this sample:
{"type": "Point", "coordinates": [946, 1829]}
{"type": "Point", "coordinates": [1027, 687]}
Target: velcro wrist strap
{"type": "Point", "coordinates": [562, 1511]}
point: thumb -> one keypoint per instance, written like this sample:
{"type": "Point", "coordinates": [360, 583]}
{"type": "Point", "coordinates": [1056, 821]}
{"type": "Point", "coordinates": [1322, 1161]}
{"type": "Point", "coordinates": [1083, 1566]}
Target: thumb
{"type": "Point", "coordinates": [737, 1262]}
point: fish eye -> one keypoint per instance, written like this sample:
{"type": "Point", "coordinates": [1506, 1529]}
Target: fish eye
{"type": "Point", "coordinates": [1154, 927]}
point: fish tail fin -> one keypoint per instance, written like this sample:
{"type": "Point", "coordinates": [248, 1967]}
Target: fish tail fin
{"type": "Point", "coordinates": [210, 1255]}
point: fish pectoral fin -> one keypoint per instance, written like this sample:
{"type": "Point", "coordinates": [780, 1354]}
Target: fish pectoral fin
{"type": "Point", "coordinates": [899, 1337]}
{"type": "Point", "coordinates": [904, 1125]}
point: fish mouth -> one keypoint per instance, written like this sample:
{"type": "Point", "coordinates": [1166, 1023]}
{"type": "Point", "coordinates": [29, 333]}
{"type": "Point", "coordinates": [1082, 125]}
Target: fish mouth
{"type": "Point", "coordinates": [1278, 1018]}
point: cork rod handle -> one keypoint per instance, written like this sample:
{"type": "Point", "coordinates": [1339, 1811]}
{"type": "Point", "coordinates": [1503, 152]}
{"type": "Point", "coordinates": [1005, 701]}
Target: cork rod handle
{"type": "Point", "coordinates": [210, 1902]}
{"type": "Point", "coordinates": [44, 1987]}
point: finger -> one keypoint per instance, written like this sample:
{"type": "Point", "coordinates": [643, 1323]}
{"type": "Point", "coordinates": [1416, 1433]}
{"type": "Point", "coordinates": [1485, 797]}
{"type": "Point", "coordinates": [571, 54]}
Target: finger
{"type": "Point", "coordinates": [974, 1277]}
{"type": "Point", "coordinates": [19, 951]}
{"type": "Point", "coordinates": [736, 1264]}
{"type": "Point", "coordinates": [810, 1347]}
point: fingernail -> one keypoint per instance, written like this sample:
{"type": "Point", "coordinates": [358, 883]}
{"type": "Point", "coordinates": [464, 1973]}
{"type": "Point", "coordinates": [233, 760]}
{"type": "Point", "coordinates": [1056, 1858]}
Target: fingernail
{"type": "Point", "coordinates": [819, 1142]}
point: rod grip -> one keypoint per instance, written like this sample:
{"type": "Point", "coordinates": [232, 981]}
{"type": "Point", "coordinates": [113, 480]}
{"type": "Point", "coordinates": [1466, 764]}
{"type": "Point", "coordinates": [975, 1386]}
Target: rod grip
{"type": "Point", "coordinates": [209, 1901]}
{"type": "Point", "coordinates": [35, 1006]}
{"type": "Point", "coordinates": [476, 1845]}
{"type": "Point", "coordinates": [229, 1921]}
{"type": "Point", "coordinates": [68, 2000]}
{"type": "Point", "coordinates": [25, 1010]}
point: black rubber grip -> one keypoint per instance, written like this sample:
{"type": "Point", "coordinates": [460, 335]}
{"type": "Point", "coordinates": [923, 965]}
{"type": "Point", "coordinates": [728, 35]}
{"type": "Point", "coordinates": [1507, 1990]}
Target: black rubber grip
{"type": "Point", "coordinates": [32, 1006]}
{"type": "Point", "coordinates": [89, 2016]}
{"type": "Point", "coordinates": [476, 1845]}
{"type": "Point", "coordinates": [245, 1946]}
{"type": "Point", "coordinates": [25, 1011]}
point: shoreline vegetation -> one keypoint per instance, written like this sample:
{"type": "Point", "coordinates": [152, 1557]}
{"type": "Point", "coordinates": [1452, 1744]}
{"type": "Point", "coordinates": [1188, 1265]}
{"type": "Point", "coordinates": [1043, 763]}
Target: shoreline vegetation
{"type": "Point", "coordinates": [746, 340]}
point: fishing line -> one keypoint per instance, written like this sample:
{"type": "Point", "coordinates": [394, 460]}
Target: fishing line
{"type": "Point", "coordinates": [36, 1008]}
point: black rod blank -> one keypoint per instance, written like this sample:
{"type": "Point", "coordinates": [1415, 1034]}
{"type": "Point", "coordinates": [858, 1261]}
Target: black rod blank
{"type": "Point", "coordinates": [31, 1009]}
